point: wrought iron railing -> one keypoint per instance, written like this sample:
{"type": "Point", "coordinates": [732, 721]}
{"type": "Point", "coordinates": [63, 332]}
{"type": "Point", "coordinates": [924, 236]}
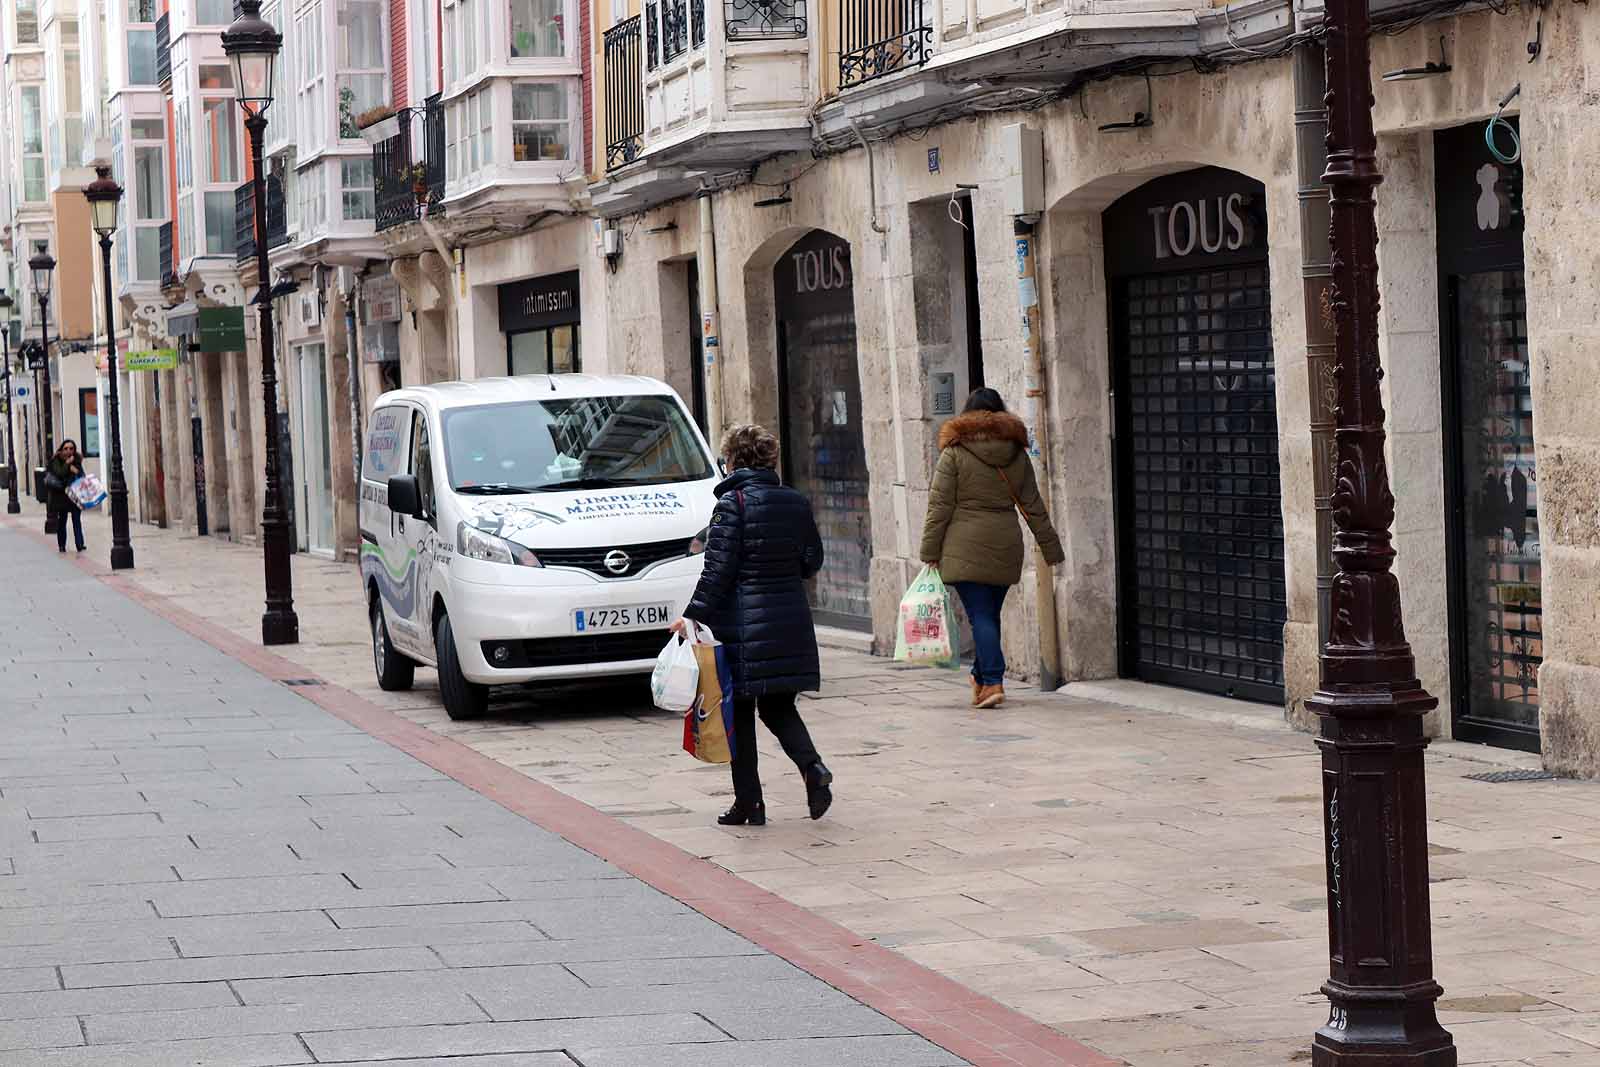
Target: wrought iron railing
{"type": "Point", "coordinates": [652, 35]}
{"type": "Point", "coordinates": [169, 269]}
{"type": "Point", "coordinates": [277, 213]}
{"type": "Point", "coordinates": [746, 19]}
{"type": "Point", "coordinates": [881, 37]}
{"type": "Point", "coordinates": [244, 222]}
{"type": "Point", "coordinates": [697, 23]}
{"type": "Point", "coordinates": [412, 158]}
{"type": "Point", "coordinates": [624, 94]}
{"type": "Point", "coordinates": [678, 25]}
{"type": "Point", "coordinates": [164, 50]}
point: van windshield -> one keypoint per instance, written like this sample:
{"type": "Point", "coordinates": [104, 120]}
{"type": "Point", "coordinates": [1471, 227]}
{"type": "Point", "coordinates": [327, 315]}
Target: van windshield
{"type": "Point", "coordinates": [593, 442]}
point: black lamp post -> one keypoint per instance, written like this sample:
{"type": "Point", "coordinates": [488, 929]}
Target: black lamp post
{"type": "Point", "coordinates": [43, 267]}
{"type": "Point", "coordinates": [1381, 986]}
{"type": "Point", "coordinates": [252, 45]}
{"type": "Point", "coordinates": [104, 196]}
{"type": "Point", "coordinates": [12, 506]}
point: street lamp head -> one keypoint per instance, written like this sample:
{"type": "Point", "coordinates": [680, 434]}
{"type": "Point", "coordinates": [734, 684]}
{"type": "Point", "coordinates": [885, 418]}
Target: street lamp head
{"type": "Point", "coordinates": [5, 301]}
{"type": "Point", "coordinates": [104, 196]}
{"type": "Point", "coordinates": [252, 46]}
{"type": "Point", "coordinates": [43, 266]}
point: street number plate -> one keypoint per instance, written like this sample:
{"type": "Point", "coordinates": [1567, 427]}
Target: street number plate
{"type": "Point", "coordinates": [624, 617]}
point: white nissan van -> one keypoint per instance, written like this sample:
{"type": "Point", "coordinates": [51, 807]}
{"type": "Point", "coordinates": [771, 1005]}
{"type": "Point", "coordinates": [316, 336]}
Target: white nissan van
{"type": "Point", "coordinates": [532, 528]}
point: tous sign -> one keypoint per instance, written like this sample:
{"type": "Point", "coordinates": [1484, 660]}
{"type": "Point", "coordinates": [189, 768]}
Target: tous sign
{"type": "Point", "coordinates": [824, 268]}
{"type": "Point", "coordinates": [1207, 225]}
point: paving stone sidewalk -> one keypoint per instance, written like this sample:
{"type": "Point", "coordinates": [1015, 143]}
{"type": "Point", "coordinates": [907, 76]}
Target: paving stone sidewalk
{"type": "Point", "coordinates": [1149, 883]}
{"type": "Point", "coordinates": [199, 867]}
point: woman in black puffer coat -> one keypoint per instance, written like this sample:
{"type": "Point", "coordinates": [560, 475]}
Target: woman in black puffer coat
{"type": "Point", "coordinates": [761, 548]}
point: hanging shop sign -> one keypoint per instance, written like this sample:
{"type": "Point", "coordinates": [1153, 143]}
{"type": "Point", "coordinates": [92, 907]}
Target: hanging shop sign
{"type": "Point", "coordinates": [814, 277]}
{"type": "Point", "coordinates": [1480, 202]}
{"type": "Point", "coordinates": [155, 359]}
{"type": "Point", "coordinates": [381, 300]}
{"type": "Point", "coordinates": [221, 330]}
{"type": "Point", "coordinates": [539, 302]}
{"type": "Point", "coordinates": [33, 352]}
{"type": "Point", "coordinates": [1188, 221]}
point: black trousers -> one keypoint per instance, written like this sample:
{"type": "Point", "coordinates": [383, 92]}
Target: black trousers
{"type": "Point", "coordinates": [779, 714]}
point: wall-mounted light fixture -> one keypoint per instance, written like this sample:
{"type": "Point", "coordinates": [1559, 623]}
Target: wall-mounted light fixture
{"type": "Point", "coordinates": [1430, 69]}
{"type": "Point", "coordinates": [1141, 119]}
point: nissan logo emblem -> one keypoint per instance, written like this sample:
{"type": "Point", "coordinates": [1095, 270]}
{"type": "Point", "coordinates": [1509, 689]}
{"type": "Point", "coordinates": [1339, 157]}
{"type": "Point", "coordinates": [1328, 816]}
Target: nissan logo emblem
{"type": "Point", "coordinates": [617, 561]}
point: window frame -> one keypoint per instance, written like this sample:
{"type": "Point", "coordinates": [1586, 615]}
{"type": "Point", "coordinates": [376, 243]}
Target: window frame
{"type": "Point", "coordinates": [85, 393]}
{"type": "Point", "coordinates": [564, 86]}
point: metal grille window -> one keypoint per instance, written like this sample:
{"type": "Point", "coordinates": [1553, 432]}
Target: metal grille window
{"type": "Point", "coordinates": [880, 37]}
{"type": "Point", "coordinates": [1202, 528]}
{"type": "Point", "coordinates": [764, 18]}
{"type": "Point", "coordinates": [624, 94]}
{"type": "Point", "coordinates": [652, 35]}
{"type": "Point", "coordinates": [678, 26]}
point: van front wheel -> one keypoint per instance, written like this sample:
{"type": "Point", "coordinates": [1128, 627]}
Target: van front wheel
{"type": "Point", "coordinates": [462, 699]}
{"type": "Point", "coordinates": [395, 672]}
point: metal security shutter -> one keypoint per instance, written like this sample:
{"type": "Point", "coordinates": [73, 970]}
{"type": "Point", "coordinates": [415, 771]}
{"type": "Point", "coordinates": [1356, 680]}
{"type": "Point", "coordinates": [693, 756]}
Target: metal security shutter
{"type": "Point", "coordinates": [1200, 520]}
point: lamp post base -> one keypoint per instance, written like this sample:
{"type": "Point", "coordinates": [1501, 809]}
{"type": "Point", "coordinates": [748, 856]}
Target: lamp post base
{"type": "Point", "coordinates": [12, 506]}
{"type": "Point", "coordinates": [280, 628]}
{"type": "Point", "coordinates": [121, 557]}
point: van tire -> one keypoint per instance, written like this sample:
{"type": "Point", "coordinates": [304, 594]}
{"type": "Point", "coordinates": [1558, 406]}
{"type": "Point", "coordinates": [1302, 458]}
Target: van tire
{"type": "Point", "coordinates": [395, 672]}
{"type": "Point", "coordinates": [462, 699]}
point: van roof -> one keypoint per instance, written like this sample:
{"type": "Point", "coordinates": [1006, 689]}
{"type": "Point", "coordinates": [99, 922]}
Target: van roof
{"type": "Point", "coordinates": [444, 395]}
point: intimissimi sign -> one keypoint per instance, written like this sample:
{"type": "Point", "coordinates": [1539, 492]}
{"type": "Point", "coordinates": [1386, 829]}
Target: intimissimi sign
{"type": "Point", "coordinates": [539, 302]}
{"type": "Point", "coordinates": [1187, 221]}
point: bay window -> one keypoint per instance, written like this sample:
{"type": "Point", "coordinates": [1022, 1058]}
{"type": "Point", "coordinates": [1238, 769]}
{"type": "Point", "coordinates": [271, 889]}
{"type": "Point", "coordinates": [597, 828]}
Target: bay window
{"type": "Point", "coordinates": [541, 124]}
{"type": "Point", "coordinates": [141, 57]}
{"type": "Point", "coordinates": [312, 83]}
{"type": "Point", "coordinates": [363, 81]}
{"type": "Point", "coordinates": [222, 139]}
{"type": "Point", "coordinates": [147, 196]}
{"type": "Point", "coordinates": [538, 28]}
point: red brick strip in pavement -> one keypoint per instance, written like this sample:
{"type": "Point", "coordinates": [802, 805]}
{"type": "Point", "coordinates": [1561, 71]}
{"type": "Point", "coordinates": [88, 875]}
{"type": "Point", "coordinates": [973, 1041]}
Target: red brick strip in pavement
{"type": "Point", "coordinates": [983, 1031]}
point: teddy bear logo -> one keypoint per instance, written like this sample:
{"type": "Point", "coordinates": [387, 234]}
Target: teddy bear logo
{"type": "Point", "coordinates": [1491, 201]}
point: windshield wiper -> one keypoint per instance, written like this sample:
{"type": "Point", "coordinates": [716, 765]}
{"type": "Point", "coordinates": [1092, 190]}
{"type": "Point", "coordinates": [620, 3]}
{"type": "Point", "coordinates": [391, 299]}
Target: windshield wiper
{"type": "Point", "coordinates": [495, 489]}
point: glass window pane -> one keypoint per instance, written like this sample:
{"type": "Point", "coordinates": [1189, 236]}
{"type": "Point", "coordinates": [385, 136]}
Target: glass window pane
{"type": "Point", "coordinates": [358, 190]}
{"type": "Point", "coordinates": [360, 34]}
{"type": "Point", "coordinates": [216, 77]}
{"type": "Point", "coordinates": [141, 10]}
{"type": "Point", "coordinates": [537, 28]}
{"type": "Point", "coordinates": [33, 178]}
{"type": "Point", "coordinates": [222, 141]}
{"type": "Point", "coordinates": [32, 121]}
{"type": "Point", "coordinates": [27, 22]}
{"type": "Point", "coordinates": [149, 130]}
{"type": "Point", "coordinates": [359, 93]}
{"type": "Point", "coordinates": [540, 129]}
{"type": "Point", "coordinates": [71, 82]}
{"type": "Point", "coordinates": [220, 223]}
{"type": "Point", "coordinates": [149, 183]}
{"type": "Point", "coordinates": [214, 12]}
{"type": "Point", "coordinates": [142, 57]}
{"type": "Point", "coordinates": [147, 240]}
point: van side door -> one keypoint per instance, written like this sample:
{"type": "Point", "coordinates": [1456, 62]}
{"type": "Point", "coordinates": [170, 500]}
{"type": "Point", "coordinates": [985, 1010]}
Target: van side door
{"type": "Point", "coordinates": [383, 558]}
{"type": "Point", "coordinates": [419, 538]}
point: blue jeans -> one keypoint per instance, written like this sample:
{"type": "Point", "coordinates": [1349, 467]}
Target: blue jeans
{"type": "Point", "coordinates": [76, 518]}
{"type": "Point", "coordinates": [983, 603]}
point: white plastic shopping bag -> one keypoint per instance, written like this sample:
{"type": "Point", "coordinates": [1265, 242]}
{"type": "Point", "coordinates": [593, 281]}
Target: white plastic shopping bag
{"type": "Point", "coordinates": [87, 491]}
{"type": "Point", "coordinates": [926, 628]}
{"type": "Point", "coordinates": [676, 679]}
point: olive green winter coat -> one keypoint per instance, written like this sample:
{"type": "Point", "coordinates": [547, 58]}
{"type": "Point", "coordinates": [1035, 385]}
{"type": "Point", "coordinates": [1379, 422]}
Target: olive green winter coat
{"type": "Point", "coordinates": [971, 530]}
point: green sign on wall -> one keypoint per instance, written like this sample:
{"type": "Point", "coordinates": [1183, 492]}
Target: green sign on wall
{"type": "Point", "coordinates": [160, 359]}
{"type": "Point", "coordinates": [221, 330]}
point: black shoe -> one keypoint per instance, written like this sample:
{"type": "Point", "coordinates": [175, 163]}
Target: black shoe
{"type": "Point", "coordinates": [81, 548]}
{"type": "Point", "coordinates": [818, 796]}
{"type": "Point", "coordinates": [740, 815]}
{"type": "Point", "coordinates": [63, 550]}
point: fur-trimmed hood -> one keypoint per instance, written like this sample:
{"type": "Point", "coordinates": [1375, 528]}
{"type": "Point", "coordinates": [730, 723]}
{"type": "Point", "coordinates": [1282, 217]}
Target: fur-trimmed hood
{"type": "Point", "coordinates": [993, 436]}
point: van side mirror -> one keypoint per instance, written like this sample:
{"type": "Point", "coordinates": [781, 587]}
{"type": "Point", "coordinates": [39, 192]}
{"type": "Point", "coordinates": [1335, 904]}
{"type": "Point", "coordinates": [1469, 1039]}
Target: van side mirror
{"type": "Point", "coordinates": [404, 496]}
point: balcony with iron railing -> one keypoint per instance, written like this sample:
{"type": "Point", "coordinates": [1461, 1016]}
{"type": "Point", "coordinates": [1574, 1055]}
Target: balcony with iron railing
{"type": "Point", "coordinates": [408, 169]}
{"type": "Point", "coordinates": [882, 37]}
{"type": "Point", "coordinates": [244, 207]}
{"type": "Point", "coordinates": [164, 49]}
{"type": "Point", "coordinates": [693, 84]}
{"type": "Point", "coordinates": [169, 265]}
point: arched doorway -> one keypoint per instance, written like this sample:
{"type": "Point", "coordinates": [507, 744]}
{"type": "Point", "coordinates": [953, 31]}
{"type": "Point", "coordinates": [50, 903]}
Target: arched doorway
{"type": "Point", "coordinates": [1200, 541]}
{"type": "Point", "coordinates": [819, 416]}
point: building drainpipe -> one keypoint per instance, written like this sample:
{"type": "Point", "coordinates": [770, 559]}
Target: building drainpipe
{"type": "Point", "coordinates": [1036, 410]}
{"type": "Point", "coordinates": [1316, 270]}
{"type": "Point", "coordinates": [710, 322]}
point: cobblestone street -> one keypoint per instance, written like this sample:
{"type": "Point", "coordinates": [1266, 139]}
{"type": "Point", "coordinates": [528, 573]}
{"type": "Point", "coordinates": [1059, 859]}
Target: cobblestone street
{"type": "Point", "coordinates": [1138, 869]}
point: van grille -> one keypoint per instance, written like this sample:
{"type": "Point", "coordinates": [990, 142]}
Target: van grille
{"type": "Point", "coordinates": [566, 651]}
{"type": "Point", "coordinates": [593, 560]}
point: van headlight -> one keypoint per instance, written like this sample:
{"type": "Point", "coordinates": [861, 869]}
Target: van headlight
{"type": "Point", "coordinates": [475, 544]}
{"type": "Point", "coordinates": [697, 543]}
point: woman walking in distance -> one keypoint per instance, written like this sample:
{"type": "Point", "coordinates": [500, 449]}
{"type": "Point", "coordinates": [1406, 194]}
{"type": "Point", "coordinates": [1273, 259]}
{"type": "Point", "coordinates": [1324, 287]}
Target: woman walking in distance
{"type": "Point", "coordinates": [761, 549]}
{"type": "Point", "coordinates": [971, 533]}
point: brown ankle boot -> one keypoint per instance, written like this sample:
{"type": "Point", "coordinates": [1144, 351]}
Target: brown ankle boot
{"type": "Point", "coordinates": [976, 689]}
{"type": "Point", "coordinates": [991, 696]}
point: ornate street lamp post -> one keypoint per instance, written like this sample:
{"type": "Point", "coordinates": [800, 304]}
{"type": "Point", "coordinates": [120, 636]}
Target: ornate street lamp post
{"type": "Point", "coordinates": [252, 45]}
{"type": "Point", "coordinates": [1381, 987]}
{"type": "Point", "coordinates": [43, 267]}
{"type": "Point", "coordinates": [104, 196]}
{"type": "Point", "coordinates": [12, 506]}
